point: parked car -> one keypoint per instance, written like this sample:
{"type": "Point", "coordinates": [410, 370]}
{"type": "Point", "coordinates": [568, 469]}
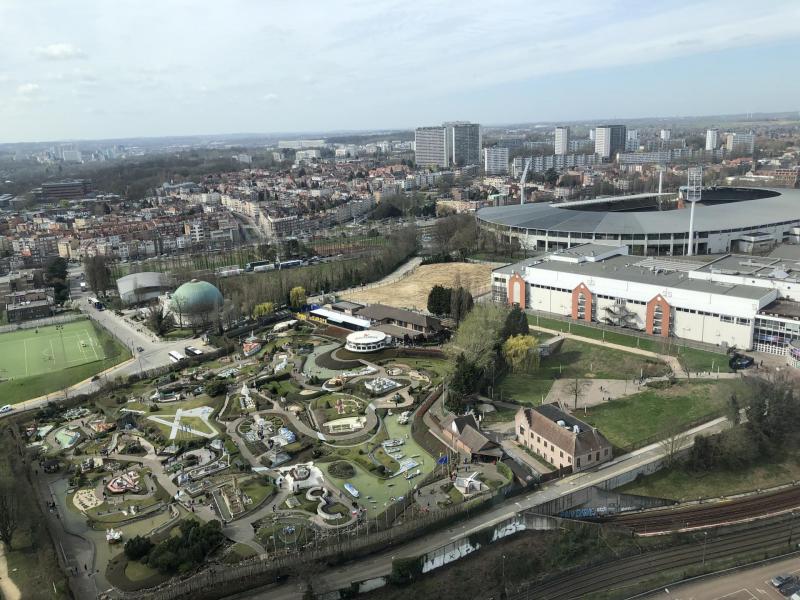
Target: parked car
{"type": "Point", "coordinates": [741, 361]}
{"type": "Point", "coordinates": [779, 580]}
{"type": "Point", "coordinates": [139, 349]}
{"type": "Point", "coordinates": [791, 588]}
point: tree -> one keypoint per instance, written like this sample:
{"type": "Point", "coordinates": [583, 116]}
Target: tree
{"type": "Point", "coordinates": [460, 304]}
{"type": "Point", "coordinates": [8, 514]}
{"type": "Point", "coordinates": [439, 300]}
{"type": "Point", "coordinates": [478, 336]}
{"type": "Point", "coordinates": [576, 388]}
{"type": "Point", "coordinates": [672, 444]}
{"type": "Point", "coordinates": [137, 547]}
{"type": "Point", "coordinates": [464, 380]}
{"type": "Point", "coordinates": [56, 276]}
{"type": "Point", "coordinates": [297, 297]}
{"type": "Point", "coordinates": [516, 323]}
{"type": "Point", "coordinates": [216, 387]}
{"type": "Point", "coordinates": [263, 309]}
{"type": "Point", "coordinates": [97, 273]}
{"type": "Point", "coordinates": [159, 320]}
{"type": "Point", "coordinates": [521, 352]}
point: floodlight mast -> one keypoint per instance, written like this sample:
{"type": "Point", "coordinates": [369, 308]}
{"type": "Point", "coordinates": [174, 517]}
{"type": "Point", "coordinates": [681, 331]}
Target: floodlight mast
{"type": "Point", "coordinates": [694, 190]}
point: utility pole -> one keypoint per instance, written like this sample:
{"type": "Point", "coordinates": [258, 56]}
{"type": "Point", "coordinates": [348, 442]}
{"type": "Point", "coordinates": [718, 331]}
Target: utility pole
{"type": "Point", "coordinates": [705, 541]}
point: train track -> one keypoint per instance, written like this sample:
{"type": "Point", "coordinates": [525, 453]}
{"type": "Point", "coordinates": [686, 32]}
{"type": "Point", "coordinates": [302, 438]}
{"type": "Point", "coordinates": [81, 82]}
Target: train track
{"type": "Point", "coordinates": [622, 574]}
{"type": "Point", "coordinates": [700, 516]}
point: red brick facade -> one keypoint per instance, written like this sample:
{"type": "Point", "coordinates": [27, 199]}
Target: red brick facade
{"type": "Point", "coordinates": [579, 291]}
{"type": "Point", "coordinates": [516, 296]}
{"type": "Point", "coordinates": [666, 315]}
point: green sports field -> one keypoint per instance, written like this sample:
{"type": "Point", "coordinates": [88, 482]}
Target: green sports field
{"type": "Point", "coordinates": [34, 362]}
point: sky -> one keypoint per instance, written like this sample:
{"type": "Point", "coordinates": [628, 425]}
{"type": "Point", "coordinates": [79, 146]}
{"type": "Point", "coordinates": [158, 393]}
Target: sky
{"type": "Point", "coordinates": [93, 69]}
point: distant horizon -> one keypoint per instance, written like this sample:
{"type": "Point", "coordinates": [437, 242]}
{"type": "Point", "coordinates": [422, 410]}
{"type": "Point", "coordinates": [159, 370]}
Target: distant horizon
{"type": "Point", "coordinates": [94, 70]}
{"type": "Point", "coordinates": [377, 131]}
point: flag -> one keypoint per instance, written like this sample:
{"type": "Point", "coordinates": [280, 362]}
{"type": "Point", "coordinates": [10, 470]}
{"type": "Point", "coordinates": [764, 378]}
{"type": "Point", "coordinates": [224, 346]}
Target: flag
{"type": "Point", "coordinates": [442, 460]}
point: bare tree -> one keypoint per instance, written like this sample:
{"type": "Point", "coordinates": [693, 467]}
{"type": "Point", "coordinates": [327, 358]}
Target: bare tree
{"type": "Point", "coordinates": [672, 444]}
{"type": "Point", "coordinates": [576, 388]}
{"type": "Point", "coordinates": [8, 514]}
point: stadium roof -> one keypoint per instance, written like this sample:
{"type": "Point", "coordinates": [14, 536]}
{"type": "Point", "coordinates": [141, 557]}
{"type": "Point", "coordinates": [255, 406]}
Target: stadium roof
{"type": "Point", "coordinates": [742, 214]}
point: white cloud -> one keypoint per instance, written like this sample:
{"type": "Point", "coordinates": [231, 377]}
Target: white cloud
{"type": "Point", "coordinates": [271, 97]}
{"type": "Point", "coordinates": [28, 89]}
{"type": "Point", "coordinates": [59, 51]}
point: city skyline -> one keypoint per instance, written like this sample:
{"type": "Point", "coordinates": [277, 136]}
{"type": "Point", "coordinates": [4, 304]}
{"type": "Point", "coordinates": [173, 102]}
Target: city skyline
{"type": "Point", "coordinates": [78, 75]}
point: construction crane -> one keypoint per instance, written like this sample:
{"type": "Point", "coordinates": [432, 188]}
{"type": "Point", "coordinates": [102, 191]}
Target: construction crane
{"type": "Point", "coordinates": [522, 180]}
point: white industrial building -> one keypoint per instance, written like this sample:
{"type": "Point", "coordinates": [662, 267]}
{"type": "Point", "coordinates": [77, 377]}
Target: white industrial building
{"type": "Point", "coordinates": [732, 300]}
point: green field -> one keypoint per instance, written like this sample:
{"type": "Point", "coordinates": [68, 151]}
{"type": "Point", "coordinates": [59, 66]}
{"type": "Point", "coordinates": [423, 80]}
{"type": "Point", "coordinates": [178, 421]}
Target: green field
{"type": "Point", "coordinates": [34, 362]}
{"type": "Point", "coordinates": [691, 358]}
{"type": "Point", "coordinates": [650, 415]}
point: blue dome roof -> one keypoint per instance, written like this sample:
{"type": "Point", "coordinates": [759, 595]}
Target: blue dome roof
{"type": "Point", "coordinates": [196, 297]}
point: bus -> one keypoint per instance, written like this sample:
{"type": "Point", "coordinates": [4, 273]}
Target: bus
{"type": "Point", "coordinates": [256, 263]}
{"type": "Point", "coordinates": [176, 356]}
{"type": "Point", "coordinates": [94, 302]}
{"type": "Point", "coordinates": [192, 351]}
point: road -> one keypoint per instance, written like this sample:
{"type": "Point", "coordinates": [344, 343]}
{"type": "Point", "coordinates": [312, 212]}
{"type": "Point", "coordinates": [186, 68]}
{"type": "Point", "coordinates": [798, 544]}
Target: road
{"type": "Point", "coordinates": [380, 563]}
{"type": "Point", "coordinates": [744, 584]}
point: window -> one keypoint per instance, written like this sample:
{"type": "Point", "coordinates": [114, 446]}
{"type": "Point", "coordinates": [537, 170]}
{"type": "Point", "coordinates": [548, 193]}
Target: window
{"type": "Point", "coordinates": [589, 458]}
{"type": "Point", "coordinates": [606, 452]}
{"type": "Point", "coordinates": [597, 456]}
{"type": "Point", "coordinates": [578, 461]}
{"type": "Point", "coordinates": [521, 430]}
{"type": "Point", "coordinates": [726, 319]}
{"type": "Point", "coordinates": [561, 455]}
{"type": "Point", "coordinates": [538, 439]}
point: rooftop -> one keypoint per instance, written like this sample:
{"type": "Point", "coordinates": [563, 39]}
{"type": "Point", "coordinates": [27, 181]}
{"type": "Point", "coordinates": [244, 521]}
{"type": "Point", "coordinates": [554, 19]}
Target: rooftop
{"type": "Point", "coordinates": [641, 270]}
{"type": "Point", "coordinates": [781, 205]}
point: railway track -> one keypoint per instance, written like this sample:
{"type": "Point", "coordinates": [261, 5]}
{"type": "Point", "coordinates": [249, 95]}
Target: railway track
{"type": "Point", "coordinates": [707, 515]}
{"type": "Point", "coordinates": [623, 573]}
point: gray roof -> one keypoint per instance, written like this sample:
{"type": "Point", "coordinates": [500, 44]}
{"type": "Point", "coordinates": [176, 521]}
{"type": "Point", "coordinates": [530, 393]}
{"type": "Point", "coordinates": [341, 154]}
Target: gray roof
{"type": "Point", "coordinates": [785, 206]}
{"type": "Point", "coordinates": [625, 267]}
{"type": "Point", "coordinates": [141, 281]}
{"type": "Point", "coordinates": [629, 269]}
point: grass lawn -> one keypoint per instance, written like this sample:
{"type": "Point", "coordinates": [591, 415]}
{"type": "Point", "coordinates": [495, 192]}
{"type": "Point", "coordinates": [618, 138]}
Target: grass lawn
{"type": "Point", "coordinates": [584, 360]}
{"type": "Point", "coordinates": [680, 484]}
{"type": "Point", "coordinates": [66, 356]}
{"type": "Point", "coordinates": [524, 388]}
{"type": "Point", "coordinates": [694, 360]}
{"type": "Point", "coordinates": [645, 417]}
{"type": "Point", "coordinates": [257, 490]}
{"type": "Point", "coordinates": [136, 571]}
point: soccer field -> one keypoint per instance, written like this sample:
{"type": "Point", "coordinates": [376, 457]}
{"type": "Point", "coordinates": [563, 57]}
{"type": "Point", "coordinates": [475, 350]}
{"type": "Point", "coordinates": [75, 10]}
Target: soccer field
{"type": "Point", "coordinates": [31, 352]}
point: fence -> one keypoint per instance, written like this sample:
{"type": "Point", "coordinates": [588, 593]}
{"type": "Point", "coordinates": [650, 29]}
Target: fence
{"type": "Point", "coordinates": [57, 320]}
{"type": "Point", "coordinates": [670, 345]}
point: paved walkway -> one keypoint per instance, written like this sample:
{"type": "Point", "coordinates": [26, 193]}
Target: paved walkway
{"type": "Point", "coordinates": [594, 392]}
{"type": "Point", "coordinates": [8, 588]}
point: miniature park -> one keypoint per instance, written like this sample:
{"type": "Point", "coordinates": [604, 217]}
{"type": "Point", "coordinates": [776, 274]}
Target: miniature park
{"type": "Point", "coordinates": [320, 427]}
{"type": "Point", "coordinates": [299, 441]}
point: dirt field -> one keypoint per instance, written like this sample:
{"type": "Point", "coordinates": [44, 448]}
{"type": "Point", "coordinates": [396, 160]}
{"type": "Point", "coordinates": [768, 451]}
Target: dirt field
{"type": "Point", "coordinates": [412, 291]}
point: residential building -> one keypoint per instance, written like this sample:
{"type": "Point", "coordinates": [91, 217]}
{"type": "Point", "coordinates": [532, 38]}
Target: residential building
{"type": "Point", "coordinates": [712, 139]}
{"type": "Point", "coordinates": [560, 438]}
{"type": "Point", "coordinates": [740, 142]}
{"type": "Point", "coordinates": [463, 435]}
{"type": "Point", "coordinates": [430, 147]}
{"type": "Point", "coordinates": [666, 135]}
{"type": "Point", "coordinates": [608, 140]}
{"type": "Point", "coordinates": [631, 140]}
{"type": "Point", "coordinates": [495, 160]}
{"type": "Point", "coordinates": [28, 305]}
{"type": "Point", "coordinates": [561, 145]}
{"type": "Point", "coordinates": [464, 143]}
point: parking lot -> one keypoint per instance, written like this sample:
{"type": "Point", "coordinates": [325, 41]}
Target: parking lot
{"type": "Point", "coordinates": [749, 584]}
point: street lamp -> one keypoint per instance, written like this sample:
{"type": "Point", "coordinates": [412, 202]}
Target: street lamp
{"type": "Point", "coordinates": [705, 541]}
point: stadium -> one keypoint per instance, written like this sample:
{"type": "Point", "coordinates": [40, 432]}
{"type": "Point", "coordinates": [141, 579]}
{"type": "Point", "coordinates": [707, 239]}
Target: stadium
{"type": "Point", "coordinates": [726, 220]}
